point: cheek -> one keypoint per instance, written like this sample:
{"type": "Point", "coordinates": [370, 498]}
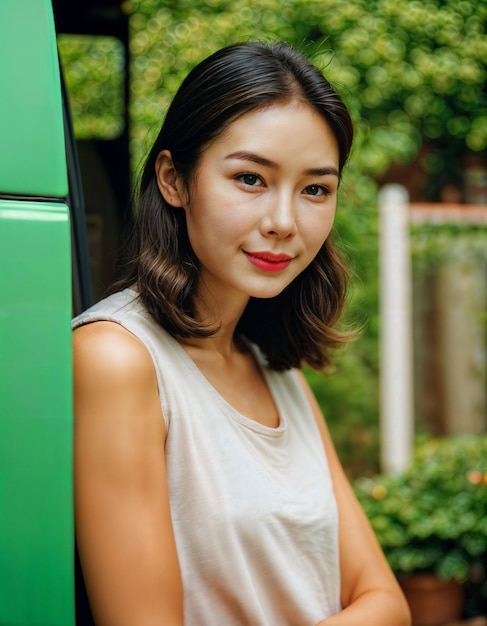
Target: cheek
{"type": "Point", "coordinates": [317, 230]}
{"type": "Point", "coordinates": [216, 219]}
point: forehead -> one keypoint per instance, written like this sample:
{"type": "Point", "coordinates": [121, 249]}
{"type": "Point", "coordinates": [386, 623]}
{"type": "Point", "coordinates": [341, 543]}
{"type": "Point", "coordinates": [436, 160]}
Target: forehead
{"type": "Point", "coordinates": [293, 129]}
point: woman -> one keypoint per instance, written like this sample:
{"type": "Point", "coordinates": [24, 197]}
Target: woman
{"type": "Point", "coordinates": [207, 489]}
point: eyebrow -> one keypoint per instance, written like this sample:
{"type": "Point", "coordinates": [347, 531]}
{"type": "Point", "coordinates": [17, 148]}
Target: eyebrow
{"type": "Point", "coordinates": [255, 158]}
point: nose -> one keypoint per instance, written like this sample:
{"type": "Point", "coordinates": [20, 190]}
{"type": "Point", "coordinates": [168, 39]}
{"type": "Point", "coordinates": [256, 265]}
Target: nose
{"type": "Point", "coordinates": [279, 220]}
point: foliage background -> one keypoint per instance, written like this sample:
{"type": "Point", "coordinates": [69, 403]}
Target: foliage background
{"type": "Point", "coordinates": [413, 74]}
{"type": "Point", "coordinates": [431, 517]}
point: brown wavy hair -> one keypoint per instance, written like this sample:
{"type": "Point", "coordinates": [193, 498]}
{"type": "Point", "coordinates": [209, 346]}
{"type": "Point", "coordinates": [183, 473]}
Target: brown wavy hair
{"type": "Point", "coordinates": [299, 325]}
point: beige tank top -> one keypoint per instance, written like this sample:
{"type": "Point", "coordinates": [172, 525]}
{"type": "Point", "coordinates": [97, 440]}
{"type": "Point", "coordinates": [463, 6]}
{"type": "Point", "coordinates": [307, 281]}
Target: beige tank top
{"type": "Point", "coordinates": [253, 507]}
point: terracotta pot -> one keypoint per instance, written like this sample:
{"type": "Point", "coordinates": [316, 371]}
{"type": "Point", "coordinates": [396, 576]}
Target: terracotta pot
{"type": "Point", "coordinates": [432, 602]}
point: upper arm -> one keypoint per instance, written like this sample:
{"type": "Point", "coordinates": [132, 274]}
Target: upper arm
{"type": "Point", "coordinates": [122, 515]}
{"type": "Point", "coordinates": [362, 563]}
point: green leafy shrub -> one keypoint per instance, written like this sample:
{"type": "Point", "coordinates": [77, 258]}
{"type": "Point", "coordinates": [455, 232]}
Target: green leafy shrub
{"type": "Point", "coordinates": [433, 516]}
{"type": "Point", "coordinates": [94, 73]}
{"type": "Point", "coordinates": [412, 72]}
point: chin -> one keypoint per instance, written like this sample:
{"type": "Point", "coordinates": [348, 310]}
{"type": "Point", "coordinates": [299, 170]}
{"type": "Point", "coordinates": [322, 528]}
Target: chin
{"type": "Point", "coordinates": [267, 294]}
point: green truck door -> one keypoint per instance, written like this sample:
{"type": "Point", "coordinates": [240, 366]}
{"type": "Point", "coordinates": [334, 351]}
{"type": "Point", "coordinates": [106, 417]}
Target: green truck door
{"type": "Point", "coordinates": [36, 519]}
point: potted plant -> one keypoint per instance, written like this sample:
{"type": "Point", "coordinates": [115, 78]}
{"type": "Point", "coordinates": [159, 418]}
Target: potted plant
{"type": "Point", "coordinates": [431, 520]}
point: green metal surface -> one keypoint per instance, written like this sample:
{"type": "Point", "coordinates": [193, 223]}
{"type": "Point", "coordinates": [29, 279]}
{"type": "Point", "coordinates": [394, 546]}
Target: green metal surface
{"type": "Point", "coordinates": [31, 124]}
{"type": "Point", "coordinates": [36, 511]}
{"type": "Point", "coordinates": [36, 528]}
{"type": "Point", "coordinates": [36, 520]}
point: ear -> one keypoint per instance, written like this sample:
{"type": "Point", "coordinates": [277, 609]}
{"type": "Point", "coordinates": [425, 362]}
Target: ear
{"type": "Point", "coordinates": [168, 181]}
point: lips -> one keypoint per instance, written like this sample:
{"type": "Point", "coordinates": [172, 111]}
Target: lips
{"type": "Point", "coordinates": [268, 261]}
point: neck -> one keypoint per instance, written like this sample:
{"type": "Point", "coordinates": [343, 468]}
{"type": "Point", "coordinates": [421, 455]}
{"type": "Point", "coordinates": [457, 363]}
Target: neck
{"type": "Point", "coordinates": [222, 314]}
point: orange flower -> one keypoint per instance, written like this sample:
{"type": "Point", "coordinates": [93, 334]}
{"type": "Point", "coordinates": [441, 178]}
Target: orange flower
{"type": "Point", "coordinates": [379, 492]}
{"type": "Point", "coordinates": [475, 477]}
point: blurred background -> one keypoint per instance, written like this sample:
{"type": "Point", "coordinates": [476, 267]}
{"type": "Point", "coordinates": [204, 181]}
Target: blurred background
{"type": "Point", "coordinates": [414, 77]}
{"type": "Point", "coordinates": [413, 74]}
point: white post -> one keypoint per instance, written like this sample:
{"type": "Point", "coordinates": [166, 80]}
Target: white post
{"type": "Point", "coordinates": [396, 380]}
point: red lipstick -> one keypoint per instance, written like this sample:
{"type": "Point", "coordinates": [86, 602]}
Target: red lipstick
{"type": "Point", "coordinates": [268, 261]}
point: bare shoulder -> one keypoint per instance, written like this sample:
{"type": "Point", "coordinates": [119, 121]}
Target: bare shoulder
{"type": "Point", "coordinates": [109, 359]}
{"type": "Point", "coordinates": [110, 348]}
{"type": "Point", "coordinates": [114, 377]}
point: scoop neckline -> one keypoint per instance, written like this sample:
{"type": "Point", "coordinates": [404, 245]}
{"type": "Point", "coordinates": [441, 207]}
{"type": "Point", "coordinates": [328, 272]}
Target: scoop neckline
{"type": "Point", "coordinates": [244, 420]}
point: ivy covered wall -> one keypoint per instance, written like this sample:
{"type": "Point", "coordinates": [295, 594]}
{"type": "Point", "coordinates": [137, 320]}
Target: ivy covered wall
{"type": "Point", "coordinates": [414, 76]}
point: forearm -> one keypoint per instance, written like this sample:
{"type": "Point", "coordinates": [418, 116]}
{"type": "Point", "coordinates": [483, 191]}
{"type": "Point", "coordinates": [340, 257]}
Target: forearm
{"type": "Point", "coordinates": [374, 608]}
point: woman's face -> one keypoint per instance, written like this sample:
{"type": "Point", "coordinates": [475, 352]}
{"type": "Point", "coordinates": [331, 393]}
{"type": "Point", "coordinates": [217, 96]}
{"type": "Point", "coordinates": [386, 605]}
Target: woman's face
{"type": "Point", "coordinates": [262, 201]}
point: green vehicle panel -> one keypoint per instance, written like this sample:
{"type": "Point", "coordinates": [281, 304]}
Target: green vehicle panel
{"type": "Point", "coordinates": [36, 518]}
{"type": "Point", "coordinates": [32, 155]}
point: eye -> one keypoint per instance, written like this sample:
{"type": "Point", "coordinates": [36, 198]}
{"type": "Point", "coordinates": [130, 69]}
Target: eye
{"type": "Point", "coordinates": [250, 180]}
{"type": "Point", "coordinates": [317, 190]}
